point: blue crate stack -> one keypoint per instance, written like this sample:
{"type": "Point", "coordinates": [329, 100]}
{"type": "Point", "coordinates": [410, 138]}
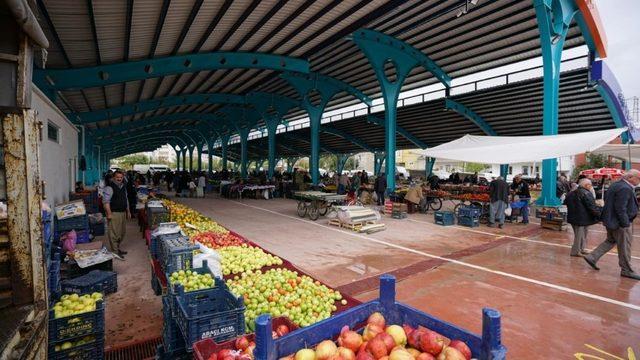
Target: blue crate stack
{"type": "Point", "coordinates": [172, 339]}
{"type": "Point", "coordinates": [469, 216]}
{"type": "Point", "coordinates": [485, 347]}
{"type": "Point", "coordinates": [176, 254]}
{"type": "Point", "coordinates": [86, 327]}
{"type": "Point", "coordinates": [155, 245]}
{"type": "Point", "coordinates": [444, 218]}
{"type": "Point", "coordinates": [53, 276]}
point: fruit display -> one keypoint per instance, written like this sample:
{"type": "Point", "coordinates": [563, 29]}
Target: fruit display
{"type": "Point", "coordinates": [71, 344]}
{"type": "Point", "coordinates": [242, 348]}
{"type": "Point", "coordinates": [437, 193]}
{"type": "Point", "coordinates": [191, 280]}
{"type": "Point", "coordinates": [74, 304]}
{"type": "Point", "coordinates": [282, 292]}
{"type": "Point", "coordinates": [473, 197]}
{"type": "Point", "coordinates": [215, 240]}
{"type": "Point", "coordinates": [243, 258]}
{"type": "Point", "coordinates": [184, 215]}
{"type": "Point", "coordinates": [380, 340]}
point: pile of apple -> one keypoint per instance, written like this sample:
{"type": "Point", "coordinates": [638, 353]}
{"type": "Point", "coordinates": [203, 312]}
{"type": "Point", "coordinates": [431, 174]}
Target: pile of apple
{"type": "Point", "coordinates": [191, 280]}
{"type": "Point", "coordinates": [215, 240]}
{"type": "Point", "coordinates": [243, 258]}
{"type": "Point", "coordinates": [244, 346]}
{"type": "Point", "coordinates": [74, 304]}
{"type": "Point", "coordinates": [71, 344]}
{"type": "Point", "coordinates": [184, 215]}
{"type": "Point", "coordinates": [282, 292]}
{"type": "Point", "coordinates": [381, 342]}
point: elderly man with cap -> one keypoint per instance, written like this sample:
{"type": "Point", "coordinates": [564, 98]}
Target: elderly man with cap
{"type": "Point", "coordinates": [620, 209]}
{"type": "Point", "coordinates": [582, 212]}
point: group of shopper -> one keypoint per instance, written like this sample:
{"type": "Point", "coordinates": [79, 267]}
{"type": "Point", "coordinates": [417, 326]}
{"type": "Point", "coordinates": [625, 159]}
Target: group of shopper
{"type": "Point", "coordinates": [500, 194]}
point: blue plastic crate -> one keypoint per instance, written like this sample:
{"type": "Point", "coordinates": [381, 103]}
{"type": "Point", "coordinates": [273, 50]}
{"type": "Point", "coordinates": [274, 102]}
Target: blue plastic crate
{"type": "Point", "coordinates": [214, 313]}
{"type": "Point", "coordinates": [69, 327]}
{"type": "Point", "coordinates": [98, 229]}
{"type": "Point", "coordinates": [105, 282]}
{"type": "Point", "coordinates": [172, 338]}
{"type": "Point", "coordinates": [155, 243]}
{"type": "Point", "coordinates": [162, 354]}
{"type": "Point", "coordinates": [177, 254]}
{"type": "Point", "coordinates": [155, 284]}
{"type": "Point", "coordinates": [174, 289]}
{"type": "Point", "coordinates": [470, 211]}
{"type": "Point", "coordinates": [155, 216]}
{"type": "Point", "coordinates": [54, 276]}
{"type": "Point", "coordinates": [93, 350]}
{"type": "Point", "coordinates": [468, 221]}
{"type": "Point", "coordinates": [73, 223]}
{"type": "Point", "coordinates": [485, 347]}
{"type": "Point", "coordinates": [444, 218]}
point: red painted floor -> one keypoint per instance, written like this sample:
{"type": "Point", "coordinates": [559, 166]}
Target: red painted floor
{"type": "Point", "coordinates": [551, 304]}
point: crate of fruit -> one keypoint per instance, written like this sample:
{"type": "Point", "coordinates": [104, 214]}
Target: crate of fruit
{"type": "Point", "coordinates": [207, 348]}
{"type": "Point", "coordinates": [80, 222]}
{"type": "Point", "coordinates": [73, 316]}
{"type": "Point", "coordinates": [383, 324]}
{"type": "Point", "coordinates": [89, 347]}
{"type": "Point", "coordinates": [198, 282]}
{"type": "Point", "coordinates": [105, 282]}
{"type": "Point", "coordinates": [156, 216]}
{"type": "Point", "coordinates": [176, 254]}
{"type": "Point", "coordinates": [214, 313]}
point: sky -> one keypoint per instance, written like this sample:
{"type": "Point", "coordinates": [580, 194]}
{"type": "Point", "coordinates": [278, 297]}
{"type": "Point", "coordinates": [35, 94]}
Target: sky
{"type": "Point", "coordinates": [620, 19]}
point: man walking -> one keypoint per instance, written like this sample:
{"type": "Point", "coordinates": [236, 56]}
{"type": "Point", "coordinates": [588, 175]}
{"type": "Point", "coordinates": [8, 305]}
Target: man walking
{"type": "Point", "coordinates": [499, 195]}
{"type": "Point", "coordinates": [380, 186]}
{"type": "Point", "coordinates": [582, 212]}
{"type": "Point", "coordinates": [620, 209]}
{"type": "Point", "coordinates": [116, 206]}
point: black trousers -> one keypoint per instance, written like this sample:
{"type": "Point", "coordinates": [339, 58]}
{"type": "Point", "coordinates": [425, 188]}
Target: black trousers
{"type": "Point", "coordinates": [380, 197]}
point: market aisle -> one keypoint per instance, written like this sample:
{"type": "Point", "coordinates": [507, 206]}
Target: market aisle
{"type": "Point", "coordinates": [524, 271]}
{"type": "Point", "coordinates": [133, 313]}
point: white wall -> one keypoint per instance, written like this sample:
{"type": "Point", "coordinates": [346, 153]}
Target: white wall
{"type": "Point", "coordinates": [58, 161]}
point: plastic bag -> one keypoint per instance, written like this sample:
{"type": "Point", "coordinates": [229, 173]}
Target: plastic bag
{"type": "Point", "coordinates": [166, 228]}
{"type": "Point", "coordinates": [211, 256]}
{"type": "Point", "coordinates": [507, 211]}
{"type": "Point", "coordinates": [69, 241]}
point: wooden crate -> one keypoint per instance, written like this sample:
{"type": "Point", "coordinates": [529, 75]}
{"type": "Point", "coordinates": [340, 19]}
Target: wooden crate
{"type": "Point", "coordinates": [553, 224]}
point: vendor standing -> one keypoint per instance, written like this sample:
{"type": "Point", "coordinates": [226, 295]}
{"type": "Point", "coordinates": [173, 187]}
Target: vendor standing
{"type": "Point", "coordinates": [521, 189]}
{"type": "Point", "coordinates": [116, 206]}
{"type": "Point", "coordinates": [499, 195]}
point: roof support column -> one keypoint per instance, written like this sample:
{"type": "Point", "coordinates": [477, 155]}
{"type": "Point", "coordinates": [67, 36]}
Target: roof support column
{"type": "Point", "coordinates": [378, 160]}
{"type": "Point", "coordinates": [177, 157]}
{"type": "Point", "coordinates": [504, 171]}
{"type": "Point", "coordinates": [428, 166]}
{"type": "Point", "coordinates": [244, 144]}
{"type": "Point", "coordinates": [380, 50]}
{"type": "Point", "coordinates": [341, 162]}
{"type": "Point", "coordinates": [190, 148]}
{"type": "Point", "coordinates": [554, 18]}
{"type": "Point", "coordinates": [199, 147]}
{"type": "Point", "coordinates": [290, 163]}
{"type": "Point", "coordinates": [272, 126]}
{"type": "Point", "coordinates": [224, 144]}
{"type": "Point", "coordinates": [184, 159]}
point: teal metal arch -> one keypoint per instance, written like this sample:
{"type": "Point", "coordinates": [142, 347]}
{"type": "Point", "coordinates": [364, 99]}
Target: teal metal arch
{"type": "Point", "coordinates": [132, 134]}
{"type": "Point", "coordinates": [450, 104]}
{"type": "Point", "coordinates": [323, 80]}
{"type": "Point", "coordinates": [207, 118]}
{"type": "Point", "coordinates": [87, 77]}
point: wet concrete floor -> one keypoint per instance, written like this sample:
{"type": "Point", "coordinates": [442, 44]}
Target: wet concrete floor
{"type": "Point", "coordinates": [553, 306]}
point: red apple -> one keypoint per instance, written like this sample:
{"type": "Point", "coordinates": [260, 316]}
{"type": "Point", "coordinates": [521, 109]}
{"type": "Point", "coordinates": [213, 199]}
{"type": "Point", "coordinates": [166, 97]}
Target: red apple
{"type": "Point", "coordinates": [242, 343]}
{"type": "Point", "coordinates": [377, 319]}
{"type": "Point", "coordinates": [431, 342]}
{"type": "Point", "coordinates": [346, 353]}
{"type": "Point", "coordinates": [370, 331]}
{"type": "Point", "coordinates": [363, 355]}
{"type": "Point", "coordinates": [350, 339]}
{"type": "Point", "coordinates": [450, 353]}
{"type": "Point", "coordinates": [377, 348]}
{"type": "Point", "coordinates": [462, 347]}
{"type": "Point", "coordinates": [388, 341]}
{"type": "Point", "coordinates": [425, 356]}
{"type": "Point", "coordinates": [407, 329]}
{"type": "Point", "coordinates": [326, 350]}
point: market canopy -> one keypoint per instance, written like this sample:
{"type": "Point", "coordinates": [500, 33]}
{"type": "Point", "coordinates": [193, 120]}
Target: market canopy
{"type": "Point", "coordinates": [516, 149]}
{"type": "Point", "coordinates": [621, 151]}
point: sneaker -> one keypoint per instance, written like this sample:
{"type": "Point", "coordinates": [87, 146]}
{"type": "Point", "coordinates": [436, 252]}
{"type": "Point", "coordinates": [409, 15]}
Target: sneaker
{"type": "Point", "coordinates": [122, 252]}
{"type": "Point", "coordinates": [584, 252]}
{"type": "Point", "coordinates": [630, 275]}
{"type": "Point", "coordinates": [591, 262]}
{"type": "Point", "coordinates": [117, 256]}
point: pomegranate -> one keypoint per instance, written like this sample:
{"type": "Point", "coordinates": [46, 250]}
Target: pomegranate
{"type": "Point", "coordinates": [377, 348]}
{"type": "Point", "coordinates": [388, 341]}
{"type": "Point", "coordinates": [363, 355]}
{"type": "Point", "coordinates": [226, 353]}
{"type": "Point", "coordinates": [407, 329]}
{"type": "Point", "coordinates": [462, 347]}
{"type": "Point", "coordinates": [213, 356]}
{"type": "Point", "coordinates": [398, 334]}
{"type": "Point", "coordinates": [400, 354]}
{"type": "Point", "coordinates": [431, 342]}
{"type": "Point", "coordinates": [450, 353]}
{"type": "Point", "coordinates": [414, 339]}
{"type": "Point", "coordinates": [350, 339]}
{"type": "Point", "coordinates": [370, 331]}
{"type": "Point", "coordinates": [425, 356]}
{"type": "Point", "coordinates": [305, 354]}
{"type": "Point", "coordinates": [326, 350]}
{"type": "Point", "coordinates": [282, 330]}
{"type": "Point", "coordinates": [413, 352]}
{"type": "Point", "coordinates": [242, 343]}
{"type": "Point", "coordinates": [363, 347]}
{"type": "Point", "coordinates": [377, 319]}
{"type": "Point", "coordinates": [346, 353]}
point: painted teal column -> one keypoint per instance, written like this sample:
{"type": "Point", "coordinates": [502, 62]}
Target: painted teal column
{"type": "Point", "coordinates": [272, 126]}
{"type": "Point", "coordinates": [191, 157]}
{"type": "Point", "coordinates": [381, 49]}
{"type": "Point", "coordinates": [184, 159]}
{"type": "Point", "coordinates": [244, 158]}
{"type": "Point", "coordinates": [224, 143]}
{"type": "Point", "coordinates": [428, 168]}
{"type": "Point", "coordinates": [210, 156]}
{"type": "Point", "coordinates": [378, 160]}
{"type": "Point", "coordinates": [177, 158]}
{"type": "Point", "coordinates": [199, 147]}
{"type": "Point", "coordinates": [341, 162]}
{"type": "Point", "coordinates": [554, 18]}
{"type": "Point", "coordinates": [504, 171]}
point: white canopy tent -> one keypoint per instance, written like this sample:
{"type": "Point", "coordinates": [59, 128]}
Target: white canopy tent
{"type": "Point", "coordinates": [621, 151]}
{"type": "Point", "coordinates": [518, 149]}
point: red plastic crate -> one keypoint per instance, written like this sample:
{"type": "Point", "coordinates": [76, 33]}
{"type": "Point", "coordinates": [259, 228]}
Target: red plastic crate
{"type": "Point", "coordinates": [203, 349]}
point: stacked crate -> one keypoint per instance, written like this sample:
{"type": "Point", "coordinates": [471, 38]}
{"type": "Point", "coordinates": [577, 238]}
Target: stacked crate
{"type": "Point", "coordinates": [78, 223]}
{"type": "Point", "coordinates": [399, 211]}
{"type": "Point", "coordinates": [105, 282]}
{"type": "Point", "coordinates": [79, 336]}
{"type": "Point", "coordinates": [469, 216]}
{"type": "Point", "coordinates": [156, 215]}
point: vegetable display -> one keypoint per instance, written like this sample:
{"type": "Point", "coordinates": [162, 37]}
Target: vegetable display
{"type": "Point", "coordinates": [243, 258]}
{"type": "Point", "coordinates": [191, 280]}
{"type": "Point", "coordinates": [74, 304]}
{"type": "Point", "coordinates": [215, 240]}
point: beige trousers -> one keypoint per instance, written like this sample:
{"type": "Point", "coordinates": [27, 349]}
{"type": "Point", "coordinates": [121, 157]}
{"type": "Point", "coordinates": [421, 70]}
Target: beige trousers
{"type": "Point", "coordinates": [117, 229]}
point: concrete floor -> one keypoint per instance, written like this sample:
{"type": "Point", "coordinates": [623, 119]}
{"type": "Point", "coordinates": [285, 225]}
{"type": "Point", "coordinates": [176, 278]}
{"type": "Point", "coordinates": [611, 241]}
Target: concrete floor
{"type": "Point", "coordinates": [552, 305]}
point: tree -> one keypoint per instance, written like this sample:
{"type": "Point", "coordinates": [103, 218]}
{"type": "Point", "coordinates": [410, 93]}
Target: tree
{"type": "Point", "coordinates": [328, 162]}
{"type": "Point", "coordinates": [127, 162]}
{"type": "Point", "coordinates": [474, 167]}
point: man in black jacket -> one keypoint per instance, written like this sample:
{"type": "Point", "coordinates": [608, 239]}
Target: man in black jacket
{"type": "Point", "coordinates": [380, 186]}
{"type": "Point", "coordinates": [521, 188]}
{"type": "Point", "coordinates": [499, 194]}
{"type": "Point", "coordinates": [582, 212]}
{"type": "Point", "coordinates": [620, 209]}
